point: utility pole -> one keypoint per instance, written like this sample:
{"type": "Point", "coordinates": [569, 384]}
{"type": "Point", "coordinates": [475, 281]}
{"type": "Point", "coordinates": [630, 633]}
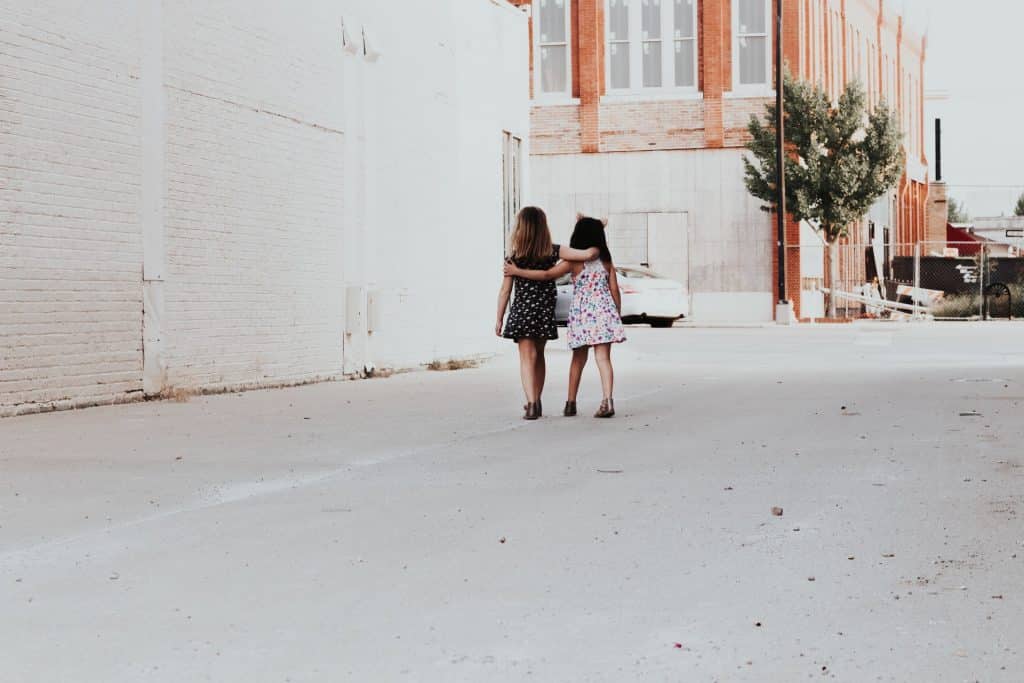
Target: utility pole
{"type": "Point", "coordinates": [783, 310]}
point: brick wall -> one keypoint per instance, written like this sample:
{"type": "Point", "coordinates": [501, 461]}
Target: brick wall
{"type": "Point", "coordinates": [254, 194]}
{"type": "Point", "coordinates": [631, 126]}
{"type": "Point", "coordinates": [191, 191]}
{"type": "Point", "coordinates": [70, 244]}
{"type": "Point", "coordinates": [555, 130]}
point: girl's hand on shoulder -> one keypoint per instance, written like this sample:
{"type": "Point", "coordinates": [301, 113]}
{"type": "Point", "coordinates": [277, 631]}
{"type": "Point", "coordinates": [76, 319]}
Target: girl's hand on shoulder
{"type": "Point", "coordinates": [510, 269]}
{"type": "Point", "coordinates": [593, 253]}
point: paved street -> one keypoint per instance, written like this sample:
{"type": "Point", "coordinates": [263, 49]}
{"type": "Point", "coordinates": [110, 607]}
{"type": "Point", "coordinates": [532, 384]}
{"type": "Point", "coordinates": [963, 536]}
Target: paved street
{"type": "Point", "coordinates": [415, 529]}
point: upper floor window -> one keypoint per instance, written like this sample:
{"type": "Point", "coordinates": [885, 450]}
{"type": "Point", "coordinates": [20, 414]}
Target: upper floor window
{"type": "Point", "coordinates": [652, 44]}
{"type": "Point", "coordinates": [552, 27]}
{"type": "Point", "coordinates": [752, 50]}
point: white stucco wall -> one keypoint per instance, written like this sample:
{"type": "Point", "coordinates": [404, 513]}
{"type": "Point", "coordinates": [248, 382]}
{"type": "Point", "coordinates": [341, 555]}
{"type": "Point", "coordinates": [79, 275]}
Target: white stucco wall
{"type": "Point", "coordinates": [197, 190]}
{"type": "Point", "coordinates": [432, 242]}
{"type": "Point", "coordinates": [729, 238]}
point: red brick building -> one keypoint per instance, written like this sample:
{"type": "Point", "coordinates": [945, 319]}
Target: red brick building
{"type": "Point", "coordinates": [640, 110]}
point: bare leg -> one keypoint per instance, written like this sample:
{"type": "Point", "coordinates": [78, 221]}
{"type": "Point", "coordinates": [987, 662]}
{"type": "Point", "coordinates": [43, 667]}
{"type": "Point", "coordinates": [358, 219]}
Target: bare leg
{"type": "Point", "coordinates": [579, 361]}
{"type": "Point", "coordinates": [540, 368]}
{"type": "Point", "coordinates": [603, 356]}
{"type": "Point", "coordinates": [527, 368]}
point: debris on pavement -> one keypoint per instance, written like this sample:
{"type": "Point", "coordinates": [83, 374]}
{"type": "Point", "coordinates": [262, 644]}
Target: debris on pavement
{"type": "Point", "coordinates": [777, 511]}
{"type": "Point", "coordinates": [610, 471]}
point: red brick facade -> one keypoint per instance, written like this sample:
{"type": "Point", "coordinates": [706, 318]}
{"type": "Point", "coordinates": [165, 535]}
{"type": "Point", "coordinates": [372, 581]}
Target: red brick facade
{"type": "Point", "coordinates": [831, 42]}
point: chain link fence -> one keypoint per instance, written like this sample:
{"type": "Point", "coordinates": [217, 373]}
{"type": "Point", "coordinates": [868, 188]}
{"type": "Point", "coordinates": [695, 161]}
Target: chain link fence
{"type": "Point", "coordinates": [936, 280]}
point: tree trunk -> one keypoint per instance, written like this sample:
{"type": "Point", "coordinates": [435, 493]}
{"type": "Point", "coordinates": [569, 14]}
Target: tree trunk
{"type": "Point", "coordinates": [833, 276]}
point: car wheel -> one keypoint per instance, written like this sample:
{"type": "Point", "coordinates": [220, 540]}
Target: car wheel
{"type": "Point", "coordinates": [662, 322]}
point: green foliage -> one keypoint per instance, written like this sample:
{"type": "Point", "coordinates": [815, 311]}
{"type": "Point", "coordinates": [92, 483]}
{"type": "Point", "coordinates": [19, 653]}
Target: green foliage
{"type": "Point", "coordinates": [841, 159]}
{"type": "Point", "coordinates": [1019, 209]}
{"type": "Point", "coordinates": [957, 212]}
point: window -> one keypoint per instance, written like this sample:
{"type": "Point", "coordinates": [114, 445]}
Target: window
{"type": "Point", "coordinates": [752, 55]}
{"type": "Point", "coordinates": [685, 38]}
{"type": "Point", "coordinates": [552, 47]}
{"type": "Point", "coordinates": [511, 181]}
{"type": "Point", "coordinates": [652, 45]}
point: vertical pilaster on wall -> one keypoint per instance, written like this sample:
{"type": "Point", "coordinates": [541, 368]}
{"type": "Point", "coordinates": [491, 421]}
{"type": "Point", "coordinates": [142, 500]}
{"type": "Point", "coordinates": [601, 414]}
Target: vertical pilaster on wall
{"type": "Point", "coordinates": [591, 75]}
{"type": "Point", "coordinates": [827, 45]}
{"type": "Point", "coordinates": [358, 170]}
{"type": "Point", "coordinates": [713, 32]}
{"type": "Point", "coordinates": [899, 66]}
{"type": "Point", "coordinates": [153, 131]}
{"type": "Point", "coordinates": [920, 102]}
{"type": "Point", "coordinates": [845, 47]}
{"type": "Point", "coordinates": [791, 39]}
{"type": "Point", "coordinates": [881, 49]}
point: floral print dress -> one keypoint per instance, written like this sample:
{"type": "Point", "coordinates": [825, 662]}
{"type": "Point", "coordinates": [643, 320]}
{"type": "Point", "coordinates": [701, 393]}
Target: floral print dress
{"type": "Point", "coordinates": [593, 317]}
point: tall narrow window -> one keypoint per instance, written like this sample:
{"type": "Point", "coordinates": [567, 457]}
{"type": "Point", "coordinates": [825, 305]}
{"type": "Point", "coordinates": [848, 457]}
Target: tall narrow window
{"type": "Point", "coordinates": [553, 23]}
{"type": "Point", "coordinates": [651, 35]}
{"type": "Point", "coordinates": [618, 43]}
{"type": "Point", "coordinates": [652, 45]}
{"type": "Point", "coordinates": [511, 181]}
{"type": "Point", "coordinates": [685, 37]}
{"type": "Point", "coordinates": [753, 43]}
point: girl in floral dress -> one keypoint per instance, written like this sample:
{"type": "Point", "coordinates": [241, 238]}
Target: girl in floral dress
{"type": "Point", "coordinates": [595, 314]}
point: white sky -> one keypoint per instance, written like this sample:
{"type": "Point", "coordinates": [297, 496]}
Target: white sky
{"type": "Point", "coordinates": [975, 53]}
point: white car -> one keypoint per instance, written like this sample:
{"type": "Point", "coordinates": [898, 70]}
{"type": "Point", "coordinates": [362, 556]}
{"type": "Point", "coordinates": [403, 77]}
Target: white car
{"type": "Point", "coordinates": [646, 297]}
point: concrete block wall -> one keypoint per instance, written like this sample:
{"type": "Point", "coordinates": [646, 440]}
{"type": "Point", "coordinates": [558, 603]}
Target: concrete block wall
{"type": "Point", "coordinates": [70, 246]}
{"type": "Point", "coordinates": [730, 240]}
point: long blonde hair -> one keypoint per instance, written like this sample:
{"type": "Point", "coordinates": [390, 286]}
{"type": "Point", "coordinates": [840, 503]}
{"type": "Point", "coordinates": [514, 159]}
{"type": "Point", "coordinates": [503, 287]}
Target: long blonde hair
{"type": "Point", "coordinates": [531, 239]}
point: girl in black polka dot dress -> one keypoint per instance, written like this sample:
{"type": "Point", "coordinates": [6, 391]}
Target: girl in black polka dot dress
{"type": "Point", "coordinates": [531, 321]}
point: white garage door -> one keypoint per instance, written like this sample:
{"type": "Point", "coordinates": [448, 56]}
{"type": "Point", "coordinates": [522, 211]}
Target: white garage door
{"type": "Point", "coordinates": [657, 240]}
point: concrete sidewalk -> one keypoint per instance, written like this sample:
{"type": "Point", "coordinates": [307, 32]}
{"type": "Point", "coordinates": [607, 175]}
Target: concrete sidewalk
{"type": "Point", "coordinates": [415, 529]}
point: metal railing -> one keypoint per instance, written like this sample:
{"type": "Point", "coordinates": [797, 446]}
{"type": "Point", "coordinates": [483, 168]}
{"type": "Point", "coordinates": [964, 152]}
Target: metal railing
{"type": "Point", "coordinates": [933, 280]}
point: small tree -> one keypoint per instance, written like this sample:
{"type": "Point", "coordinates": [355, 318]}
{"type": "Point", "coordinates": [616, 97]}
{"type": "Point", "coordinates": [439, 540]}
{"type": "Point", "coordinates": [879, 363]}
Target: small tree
{"type": "Point", "coordinates": [841, 160]}
{"type": "Point", "coordinates": [1019, 209]}
{"type": "Point", "coordinates": [957, 212]}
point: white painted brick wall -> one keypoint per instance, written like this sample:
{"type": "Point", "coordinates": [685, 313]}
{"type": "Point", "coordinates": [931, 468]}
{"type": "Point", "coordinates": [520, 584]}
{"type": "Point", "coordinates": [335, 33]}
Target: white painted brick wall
{"type": "Point", "coordinates": [257, 172]}
{"type": "Point", "coordinates": [70, 248]}
{"type": "Point", "coordinates": [254, 193]}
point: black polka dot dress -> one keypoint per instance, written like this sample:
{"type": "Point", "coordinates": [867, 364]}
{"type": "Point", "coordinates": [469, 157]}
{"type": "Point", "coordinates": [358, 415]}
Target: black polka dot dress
{"type": "Point", "coordinates": [532, 315]}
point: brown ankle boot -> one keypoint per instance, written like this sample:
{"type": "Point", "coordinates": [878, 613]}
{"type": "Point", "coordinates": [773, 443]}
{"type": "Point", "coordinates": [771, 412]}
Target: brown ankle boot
{"type": "Point", "coordinates": [532, 412]}
{"type": "Point", "coordinates": [570, 409]}
{"type": "Point", "coordinates": [607, 408]}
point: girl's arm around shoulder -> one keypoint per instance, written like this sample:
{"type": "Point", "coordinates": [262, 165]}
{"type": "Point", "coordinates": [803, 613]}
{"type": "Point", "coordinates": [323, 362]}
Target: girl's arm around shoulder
{"type": "Point", "coordinates": [613, 285]}
{"type": "Point", "coordinates": [554, 273]}
{"type": "Point", "coordinates": [569, 254]}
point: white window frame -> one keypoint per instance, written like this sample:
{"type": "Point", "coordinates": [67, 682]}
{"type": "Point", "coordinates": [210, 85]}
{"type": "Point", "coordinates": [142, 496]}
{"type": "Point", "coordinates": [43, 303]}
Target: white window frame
{"type": "Point", "coordinates": [668, 88]}
{"type": "Point", "coordinates": [538, 71]}
{"type": "Point", "coordinates": [753, 89]}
